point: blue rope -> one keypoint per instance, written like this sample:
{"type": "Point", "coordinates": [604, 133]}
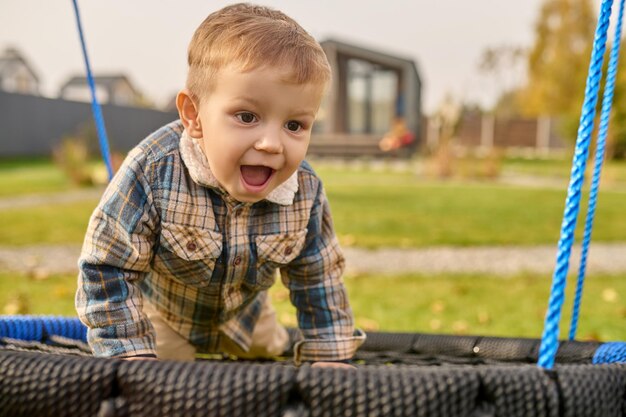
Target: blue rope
{"type": "Point", "coordinates": [613, 352]}
{"type": "Point", "coordinates": [38, 328]}
{"type": "Point", "coordinates": [95, 106]}
{"type": "Point", "coordinates": [599, 159]}
{"type": "Point", "coordinates": [549, 340]}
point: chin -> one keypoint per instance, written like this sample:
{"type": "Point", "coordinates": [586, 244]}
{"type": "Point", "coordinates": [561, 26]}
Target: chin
{"type": "Point", "coordinates": [247, 198]}
{"type": "Point", "coordinates": [250, 200]}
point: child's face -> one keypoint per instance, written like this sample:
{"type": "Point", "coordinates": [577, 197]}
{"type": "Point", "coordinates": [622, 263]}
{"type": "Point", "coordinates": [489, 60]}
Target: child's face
{"type": "Point", "coordinates": [255, 129]}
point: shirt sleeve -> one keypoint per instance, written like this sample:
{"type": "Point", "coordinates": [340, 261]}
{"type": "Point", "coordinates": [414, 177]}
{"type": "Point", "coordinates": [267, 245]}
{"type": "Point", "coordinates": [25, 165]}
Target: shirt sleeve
{"type": "Point", "coordinates": [317, 291]}
{"type": "Point", "coordinates": [116, 254]}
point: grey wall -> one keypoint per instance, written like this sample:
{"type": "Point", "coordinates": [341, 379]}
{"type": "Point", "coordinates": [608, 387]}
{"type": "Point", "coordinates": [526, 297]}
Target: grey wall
{"type": "Point", "coordinates": [33, 126]}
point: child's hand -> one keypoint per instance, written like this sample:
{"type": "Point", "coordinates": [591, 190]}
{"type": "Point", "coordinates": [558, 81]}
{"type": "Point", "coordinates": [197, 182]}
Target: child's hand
{"type": "Point", "coordinates": [337, 365]}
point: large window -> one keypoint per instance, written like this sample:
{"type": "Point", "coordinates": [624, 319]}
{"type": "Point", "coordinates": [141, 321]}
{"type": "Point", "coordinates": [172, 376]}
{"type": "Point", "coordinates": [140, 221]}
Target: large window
{"type": "Point", "coordinates": [371, 100]}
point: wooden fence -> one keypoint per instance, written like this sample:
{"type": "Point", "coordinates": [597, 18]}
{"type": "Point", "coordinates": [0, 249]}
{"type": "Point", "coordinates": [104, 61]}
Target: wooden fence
{"type": "Point", "coordinates": [513, 134]}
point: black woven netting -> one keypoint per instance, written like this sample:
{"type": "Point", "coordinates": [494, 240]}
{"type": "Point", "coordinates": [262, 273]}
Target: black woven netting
{"type": "Point", "coordinates": [395, 375]}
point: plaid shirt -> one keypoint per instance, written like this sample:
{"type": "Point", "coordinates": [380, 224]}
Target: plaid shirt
{"type": "Point", "coordinates": [205, 260]}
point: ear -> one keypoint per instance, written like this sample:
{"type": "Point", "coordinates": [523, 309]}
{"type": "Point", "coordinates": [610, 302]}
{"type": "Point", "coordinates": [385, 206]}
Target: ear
{"type": "Point", "coordinates": [189, 114]}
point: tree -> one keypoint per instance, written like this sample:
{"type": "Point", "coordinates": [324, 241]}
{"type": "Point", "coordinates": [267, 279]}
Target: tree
{"type": "Point", "coordinates": [616, 146]}
{"type": "Point", "coordinates": [558, 62]}
{"type": "Point", "coordinates": [503, 65]}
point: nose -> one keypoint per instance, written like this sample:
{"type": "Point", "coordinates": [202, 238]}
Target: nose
{"type": "Point", "coordinates": [270, 142]}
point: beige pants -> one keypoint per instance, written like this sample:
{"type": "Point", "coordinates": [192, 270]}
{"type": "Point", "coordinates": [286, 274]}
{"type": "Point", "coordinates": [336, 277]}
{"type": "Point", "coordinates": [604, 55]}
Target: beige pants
{"type": "Point", "coordinates": [269, 338]}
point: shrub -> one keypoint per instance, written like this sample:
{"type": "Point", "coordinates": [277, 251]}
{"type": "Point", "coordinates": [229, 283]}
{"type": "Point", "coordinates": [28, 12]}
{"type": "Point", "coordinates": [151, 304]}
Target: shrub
{"type": "Point", "coordinates": [72, 156]}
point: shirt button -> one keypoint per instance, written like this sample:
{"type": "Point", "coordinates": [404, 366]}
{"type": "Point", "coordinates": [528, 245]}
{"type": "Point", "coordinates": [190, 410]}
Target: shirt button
{"type": "Point", "coordinates": [191, 246]}
{"type": "Point", "coordinates": [237, 260]}
{"type": "Point", "coordinates": [288, 250]}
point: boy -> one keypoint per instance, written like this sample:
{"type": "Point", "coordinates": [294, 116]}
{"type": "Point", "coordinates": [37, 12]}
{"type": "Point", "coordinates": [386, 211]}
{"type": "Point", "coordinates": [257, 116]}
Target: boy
{"type": "Point", "coordinates": [187, 238]}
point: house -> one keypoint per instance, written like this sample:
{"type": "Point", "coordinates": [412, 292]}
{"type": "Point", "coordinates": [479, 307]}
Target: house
{"type": "Point", "coordinates": [110, 89]}
{"type": "Point", "coordinates": [16, 74]}
{"type": "Point", "coordinates": [372, 94]}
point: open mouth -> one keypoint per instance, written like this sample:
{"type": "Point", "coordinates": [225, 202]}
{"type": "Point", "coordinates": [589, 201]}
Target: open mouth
{"type": "Point", "coordinates": [255, 177]}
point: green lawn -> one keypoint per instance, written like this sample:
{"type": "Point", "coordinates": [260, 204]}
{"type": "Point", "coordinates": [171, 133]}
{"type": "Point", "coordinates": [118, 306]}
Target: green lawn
{"type": "Point", "coordinates": [19, 177]}
{"type": "Point", "coordinates": [49, 224]}
{"type": "Point", "coordinates": [383, 208]}
{"type": "Point", "coordinates": [450, 304]}
{"type": "Point", "coordinates": [390, 208]}
{"type": "Point", "coordinates": [476, 304]}
{"type": "Point", "coordinates": [613, 172]}
{"type": "Point", "coordinates": [415, 214]}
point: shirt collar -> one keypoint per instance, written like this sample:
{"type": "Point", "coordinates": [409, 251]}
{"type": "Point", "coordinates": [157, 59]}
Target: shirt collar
{"type": "Point", "coordinates": [200, 172]}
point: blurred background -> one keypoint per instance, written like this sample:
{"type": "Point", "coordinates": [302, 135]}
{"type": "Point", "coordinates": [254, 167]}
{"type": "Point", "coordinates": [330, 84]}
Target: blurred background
{"type": "Point", "coordinates": [445, 146]}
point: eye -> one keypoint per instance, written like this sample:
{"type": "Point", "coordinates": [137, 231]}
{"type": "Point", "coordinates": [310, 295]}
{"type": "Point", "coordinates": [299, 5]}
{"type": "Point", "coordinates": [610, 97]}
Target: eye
{"type": "Point", "coordinates": [246, 117]}
{"type": "Point", "coordinates": [293, 126]}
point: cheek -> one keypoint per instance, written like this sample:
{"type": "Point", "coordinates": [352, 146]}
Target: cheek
{"type": "Point", "coordinates": [224, 158]}
{"type": "Point", "coordinates": [219, 156]}
{"type": "Point", "coordinates": [294, 156]}
{"type": "Point", "coordinates": [297, 150]}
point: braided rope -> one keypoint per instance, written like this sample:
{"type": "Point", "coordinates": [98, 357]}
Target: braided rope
{"type": "Point", "coordinates": [36, 384]}
{"type": "Point", "coordinates": [68, 335]}
{"type": "Point", "coordinates": [599, 159]}
{"type": "Point", "coordinates": [95, 106]}
{"type": "Point", "coordinates": [549, 344]}
{"type": "Point", "coordinates": [40, 328]}
{"type": "Point", "coordinates": [613, 352]}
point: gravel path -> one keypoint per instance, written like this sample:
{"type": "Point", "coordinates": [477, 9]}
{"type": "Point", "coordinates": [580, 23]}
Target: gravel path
{"type": "Point", "coordinates": [603, 258]}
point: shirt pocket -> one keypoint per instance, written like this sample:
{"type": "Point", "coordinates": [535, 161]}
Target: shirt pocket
{"type": "Point", "coordinates": [189, 254]}
{"type": "Point", "coordinates": [275, 251]}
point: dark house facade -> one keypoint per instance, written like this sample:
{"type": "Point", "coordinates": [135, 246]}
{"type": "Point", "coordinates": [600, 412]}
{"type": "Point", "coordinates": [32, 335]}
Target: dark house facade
{"type": "Point", "coordinates": [371, 92]}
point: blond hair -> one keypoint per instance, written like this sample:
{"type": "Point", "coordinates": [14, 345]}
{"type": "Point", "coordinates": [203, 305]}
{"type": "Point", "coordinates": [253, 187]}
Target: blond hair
{"type": "Point", "coordinates": [250, 37]}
